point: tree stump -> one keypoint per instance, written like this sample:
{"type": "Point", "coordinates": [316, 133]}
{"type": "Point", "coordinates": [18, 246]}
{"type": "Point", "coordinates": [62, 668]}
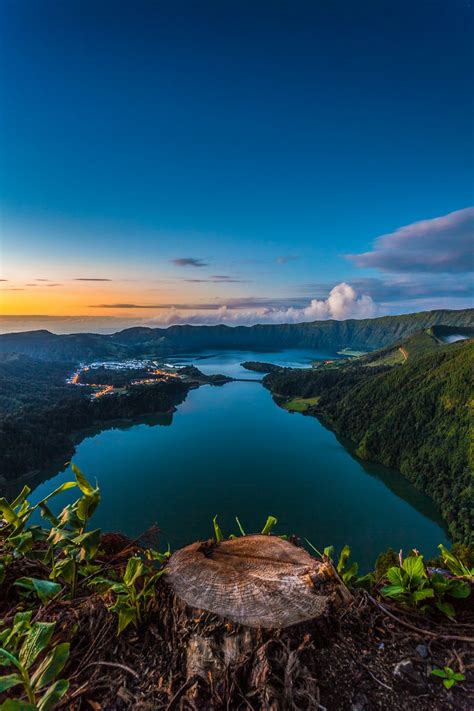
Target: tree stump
{"type": "Point", "coordinates": [256, 581]}
{"type": "Point", "coordinates": [245, 617]}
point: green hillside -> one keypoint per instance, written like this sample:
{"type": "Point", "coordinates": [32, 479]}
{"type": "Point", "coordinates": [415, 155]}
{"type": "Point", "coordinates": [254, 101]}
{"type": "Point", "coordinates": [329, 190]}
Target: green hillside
{"type": "Point", "coordinates": [416, 417]}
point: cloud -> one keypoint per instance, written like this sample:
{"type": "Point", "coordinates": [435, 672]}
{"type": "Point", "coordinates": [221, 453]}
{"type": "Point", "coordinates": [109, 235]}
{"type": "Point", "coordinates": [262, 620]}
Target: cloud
{"type": "Point", "coordinates": [54, 284]}
{"type": "Point", "coordinates": [181, 307]}
{"type": "Point", "coordinates": [90, 279]}
{"type": "Point", "coordinates": [189, 262]}
{"type": "Point", "coordinates": [3, 279]}
{"type": "Point", "coordinates": [284, 259]}
{"type": "Point", "coordinates": [217, 279]}
{"type": "Point", "coordinates": [342, 302]}
{"type": "Point", "coordinates": [443, 244]}
{"type": "Point", "coordinates": [42, 279]}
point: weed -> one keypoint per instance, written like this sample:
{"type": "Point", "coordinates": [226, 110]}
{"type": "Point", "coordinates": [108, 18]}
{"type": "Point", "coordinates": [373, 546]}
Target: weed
{"type": "Point", "coordinates": [449, 676]}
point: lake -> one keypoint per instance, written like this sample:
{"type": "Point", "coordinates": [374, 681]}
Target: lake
{"type": "Point", "coordinates": [230, 450]}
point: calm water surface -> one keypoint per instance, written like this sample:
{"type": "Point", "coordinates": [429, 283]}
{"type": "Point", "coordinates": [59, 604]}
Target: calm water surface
{"type": "Point", "coordinates": [230, 450]}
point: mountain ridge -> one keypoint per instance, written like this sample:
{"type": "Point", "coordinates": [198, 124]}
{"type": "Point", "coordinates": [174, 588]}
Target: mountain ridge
{"type": "Point", "coordinates": [142, 340]}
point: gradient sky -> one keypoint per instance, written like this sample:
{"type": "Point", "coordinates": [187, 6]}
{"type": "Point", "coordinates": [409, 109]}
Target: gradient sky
{"type": "Point", "coordinates": [235, 161]}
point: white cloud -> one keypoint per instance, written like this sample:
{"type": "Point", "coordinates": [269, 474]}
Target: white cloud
{"type": "Point", "coordinates": [342, 302]}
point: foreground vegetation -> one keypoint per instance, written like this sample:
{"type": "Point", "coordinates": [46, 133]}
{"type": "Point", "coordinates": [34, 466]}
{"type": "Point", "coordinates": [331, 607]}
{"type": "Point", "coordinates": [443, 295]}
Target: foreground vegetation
{"type": "Point", "coordinates": [415, 417]}
{"type": "Point", "coordinates": [54, 573]}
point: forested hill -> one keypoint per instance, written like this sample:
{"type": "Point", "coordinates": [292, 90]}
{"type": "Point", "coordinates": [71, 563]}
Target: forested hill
{"type": "Point", "coordinates": [416, 417]}
{"type": "Point", "coordinates": [139, 342]}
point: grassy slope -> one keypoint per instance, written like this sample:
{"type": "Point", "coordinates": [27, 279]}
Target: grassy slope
{"type": "Point", "coordinates": [299, 404]}
{"type": "Point", "coordinates": [416, 417]}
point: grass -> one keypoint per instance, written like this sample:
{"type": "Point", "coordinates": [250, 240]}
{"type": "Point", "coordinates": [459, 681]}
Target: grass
{"type": "Point", "coordinates": [393, 357]}
{"type": "Point", "coordinates": [300, 404]}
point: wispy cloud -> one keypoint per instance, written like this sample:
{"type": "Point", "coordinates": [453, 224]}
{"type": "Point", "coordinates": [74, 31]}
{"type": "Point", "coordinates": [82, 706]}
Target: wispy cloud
{"type": "Point", "coordinates": [90, 279]}
{"type": "Point", "coordinates": [181, 307]}
{"type": "Point", "coordinates": [405, 287]}
{"type": "Point", "coordinates": [285, 259]}
{"type": "Point", "coordinates": [189, 262]}
{"type": "Point", "coordinates": [218, 279]}
{"type": "Point", "coordinates": [442, 245]}
{"type": "Point", "coordinates": [54, 284]}
{"type": "Point", "coordinates": [42, 279]}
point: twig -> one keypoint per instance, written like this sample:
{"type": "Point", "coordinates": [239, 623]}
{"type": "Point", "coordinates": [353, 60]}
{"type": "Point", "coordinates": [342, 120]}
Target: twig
{"type": "Point", "coordinates": [112, 664]}
{"type": "Point", "coordinates": [390, 688]}
{"type": "Point", "coordinates": [419, 629]}
{"type": "Point", "coordinates": [180, 691]}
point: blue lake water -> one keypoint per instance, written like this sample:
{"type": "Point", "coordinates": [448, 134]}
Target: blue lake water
{"type": "Point", "coordinates": [230, 451]}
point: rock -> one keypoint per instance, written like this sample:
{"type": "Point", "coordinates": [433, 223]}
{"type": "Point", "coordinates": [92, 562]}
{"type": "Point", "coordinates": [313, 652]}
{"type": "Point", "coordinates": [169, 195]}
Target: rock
{"type": "Point", "coordinates": [258, 581]}
{"type": "Point", "coordinates": [411, 678]}
{"type": "Point", "coordinates": [422, 651]}
{"type": "Point", "coordinates": [403, 669]}
{"type": "Point", "coordinates": [360, 702]}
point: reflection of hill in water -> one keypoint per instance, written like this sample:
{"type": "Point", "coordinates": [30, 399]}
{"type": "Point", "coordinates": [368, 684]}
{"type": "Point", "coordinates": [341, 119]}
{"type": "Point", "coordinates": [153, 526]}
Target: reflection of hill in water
{"type": "Point", "coordinates": [165, 419]}
{"type": "Point", "coordinates": [393, 480]}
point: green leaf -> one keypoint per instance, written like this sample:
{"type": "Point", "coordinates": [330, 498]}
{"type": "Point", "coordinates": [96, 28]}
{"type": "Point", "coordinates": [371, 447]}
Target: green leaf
{"type": "Point", "coordinates": [459, 589]}
{"type": "Point", "coordinates": [126, 615]}
{"type": "Point", "coordinates": [133, 570]}
{"type": "Point", "coordinates": [439, 672]}
{"type": "Point", "coordinates": [7, 512]}
{"type": "Point", "coordinates": [448, 683]}
{"type": "Point", "coordinates": [53, 695]}
{"type": "Point", "coordinates": [242, 532]}
{"type": "Point", "coordinates": [13, 660]}
{"type": "Point", "coordinates": [459, 677]}
{"type": "Point", "coordinates": [51, 666]}
{"type": "Point", "coordinates": [414, 566]}
{"type": "Point", "coordinates": [6, 682]}
{"type": "Point", "coordinates": [150, 583]}
{"type": "Point", "coordinates": [64, 487]}
{"type": "Point", "coordinates": [366, 582]}
{"type": "Point", "coordinates": [423, 594]}
{"type": "Point", "coordinates": [343, 558]}
{"type": "Point", "coordinates": [64, 569]}
{"type": "Point", "coordinates": [217, 531]}
{"type": "Point", "coordinates": [36, 640]}
{"type": "Point", "coordinates": [82, 482]}
{"type": "Point", "coordinates": [393, 590]}
{"type": "Point", "coordinates": [350, 573]}
{"type": "Point", "coordinates": [45, 589]}
{"type": "Point", "coordinates": [328, 551]}
{"type": "Point", "coordinates": [86, 506]}
{"type": "Point", "coordinates": [271, 521]}
{"type": "Point", "coordinates": [395, 576]}
{"type": "Point", "coordinates": [446, 608]}
{"type": "Point", "coordinates": [21, 497]}
{"type": "Point", "coordinates": [17, 705]}
{"type": "Point", "coordinates": [89, 542]}
{"type": "Point", "coordinates": [47, 513]}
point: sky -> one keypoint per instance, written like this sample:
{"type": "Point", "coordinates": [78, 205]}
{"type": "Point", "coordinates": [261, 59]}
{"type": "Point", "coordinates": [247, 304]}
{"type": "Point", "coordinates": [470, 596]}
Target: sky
{"type": "Point", "coordinates": [233, 162]}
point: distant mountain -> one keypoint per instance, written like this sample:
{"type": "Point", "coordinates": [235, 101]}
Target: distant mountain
{"type": "Point", "coordinates": [141, 342]}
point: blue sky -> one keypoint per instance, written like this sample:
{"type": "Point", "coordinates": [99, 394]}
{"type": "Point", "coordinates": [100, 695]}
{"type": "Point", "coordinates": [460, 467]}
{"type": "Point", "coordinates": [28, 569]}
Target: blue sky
{"type": "Point", "coordinates": [265, 140]}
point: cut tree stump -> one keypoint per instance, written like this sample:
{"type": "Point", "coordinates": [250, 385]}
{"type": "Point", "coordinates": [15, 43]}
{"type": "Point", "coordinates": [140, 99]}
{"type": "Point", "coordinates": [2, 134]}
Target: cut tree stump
{"type": "Point", "coordinates": [256, 581]}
